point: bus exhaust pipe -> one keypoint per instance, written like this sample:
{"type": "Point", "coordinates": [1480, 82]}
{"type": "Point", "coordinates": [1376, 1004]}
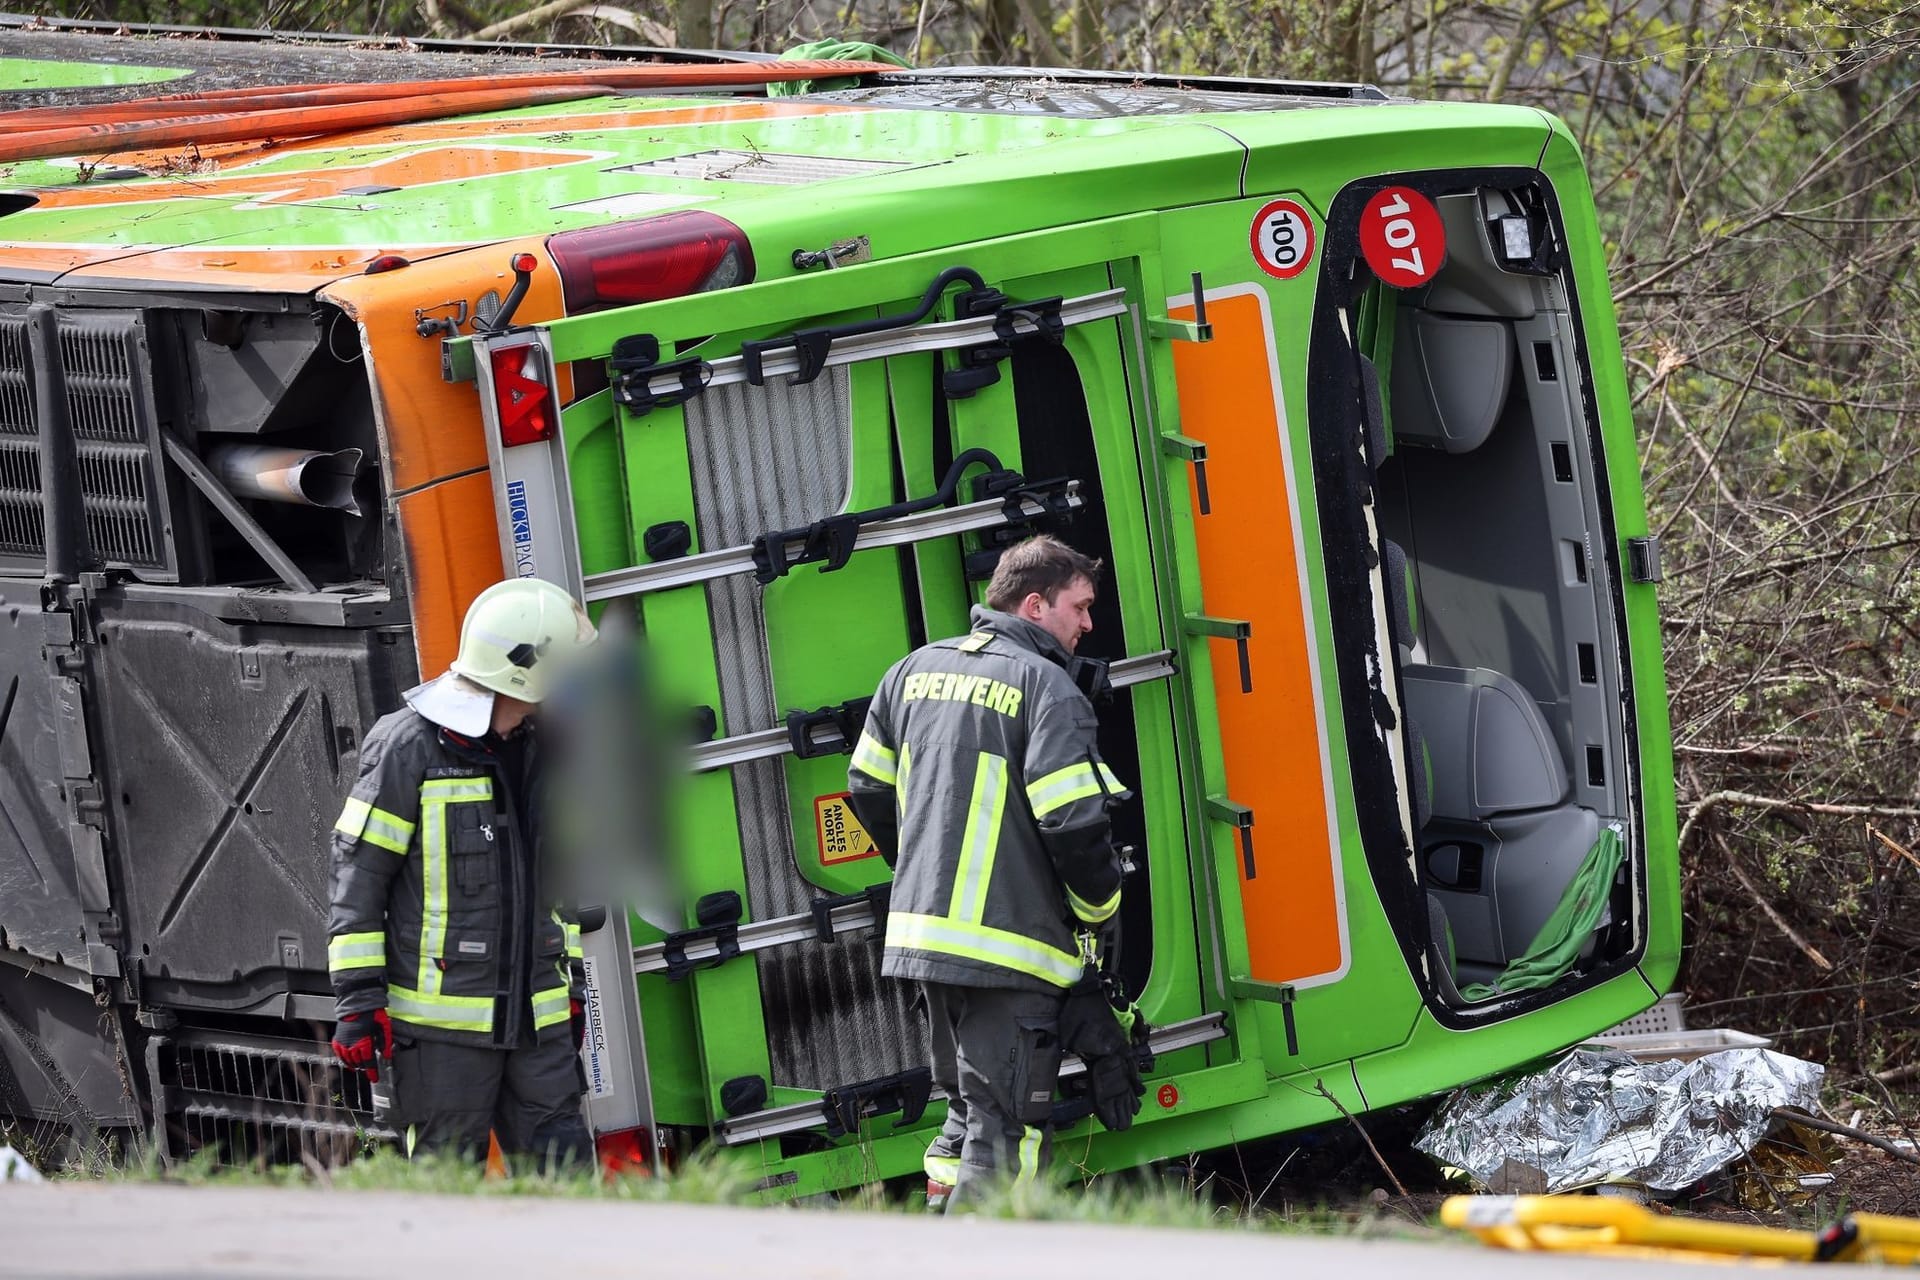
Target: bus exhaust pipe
{"type": "Point", "coordinates": [304, 477]}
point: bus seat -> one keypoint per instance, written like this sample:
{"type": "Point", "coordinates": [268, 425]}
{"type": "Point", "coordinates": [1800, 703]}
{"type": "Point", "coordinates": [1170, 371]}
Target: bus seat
{"type": "Point", "coordinates": [1493, 749]}
{"type": "Point", "coordinates": [1449, 379]}
{"type": "Point", "coordinates": [1502, 841]}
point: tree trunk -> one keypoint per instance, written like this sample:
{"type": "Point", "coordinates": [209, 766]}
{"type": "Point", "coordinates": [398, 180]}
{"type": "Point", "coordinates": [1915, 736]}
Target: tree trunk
{"type": "Point", "coordinates": [693, 24]}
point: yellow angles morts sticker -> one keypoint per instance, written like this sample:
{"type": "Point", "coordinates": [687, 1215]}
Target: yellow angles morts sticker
{"type": "Point", "coordinates": [842, 838]}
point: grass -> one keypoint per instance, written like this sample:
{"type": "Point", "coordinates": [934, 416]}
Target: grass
{"type": "Point", "coordinates": [1139, 1198]}
{"type": "Point", "coordinates": [1171, 1197]}
{"type": "Point", "coordinates": [701, 1180]}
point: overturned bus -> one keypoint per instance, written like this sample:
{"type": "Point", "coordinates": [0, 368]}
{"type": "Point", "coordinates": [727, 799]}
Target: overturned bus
{"type": "Point", "coordinates": [1329, 379]}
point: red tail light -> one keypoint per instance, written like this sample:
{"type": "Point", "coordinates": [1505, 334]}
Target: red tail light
{"type": "Point", "coordinates": [649, 260]}
{"type": "Point", "coordinates": [628, 1151]}
{"type": "Point", "coordinates": [523, 394]}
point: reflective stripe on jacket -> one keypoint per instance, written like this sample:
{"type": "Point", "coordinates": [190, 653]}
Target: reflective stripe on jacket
{"type": "Point", "coordinates": [439, 914]}
{"type": "Point", "coordinates": [984, 748]}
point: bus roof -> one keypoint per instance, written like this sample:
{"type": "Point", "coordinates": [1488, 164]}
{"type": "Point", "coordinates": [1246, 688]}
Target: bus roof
{"type": "Point", "coordinates": [284, 211]}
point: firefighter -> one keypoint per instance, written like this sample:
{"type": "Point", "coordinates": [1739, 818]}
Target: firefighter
{"type": "Point", "coordinates": [979, 779]}
{"type": "Point", "coordinates": [450, 954]}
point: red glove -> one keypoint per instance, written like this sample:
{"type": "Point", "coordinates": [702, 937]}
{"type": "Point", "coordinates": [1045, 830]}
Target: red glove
{"type": "Point", "coordinates": [359, 1041]}
{"type": "Point", "coordinates": [577, 1016]}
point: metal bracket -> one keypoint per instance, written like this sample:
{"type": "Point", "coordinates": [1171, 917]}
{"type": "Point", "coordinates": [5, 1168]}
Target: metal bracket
{"type": "Point", "coordinates": [839, 253]}
{"type": "Point", "coordinates": [1178, 330]}
{"type": "Point", "coordinates": [979, 366]}
{"type": "Point", "coordinates": [1056, 498]}
{"type": "Point", "coordinates": [1643, 559]}
{"type": "Point", "coordinates": [1194, 330]}
{"type": "Point", "coordinates": [877, 899]}
{"type": "Point", "coordinates": [1280, 993]}
{"type": "Point", "coordinates": [1093, 677]}
{"type": "Point", "coordinates": [1200, 624]}
{"type": "Point", "coordinates": [1042, 313]}
{"type": "Point", "coordinates": [1240, 818]}
{"type": "Point", "coordinates": [829, 542]}
{"type": "Point", "coordinates": [636, 364]}
{"type": "Point", "coordinates": [719, 917]}
{"type": "Point", "coordinates": [428, 325]}
{"type": "Point", "coordinates": [673, 949]}
{"type": "Point", "coordinates": [1194, 451]}
{"type": "Point", "coordinates": [976, 367]}
{"type": "Point", "coordinates": [843, 723]}
{"type": "Point", "coordinates": [906, 1092]}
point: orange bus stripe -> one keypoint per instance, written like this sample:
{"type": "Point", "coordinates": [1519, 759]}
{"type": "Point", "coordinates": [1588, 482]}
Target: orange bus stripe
{"type": "Point", "coordinates": [1271, 738]}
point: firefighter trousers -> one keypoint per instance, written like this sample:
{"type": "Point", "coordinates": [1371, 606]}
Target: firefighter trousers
{"type": "Point", "coordinates": [446, 1097]}
{"type": "Point", "coordinates": [996, 1054]}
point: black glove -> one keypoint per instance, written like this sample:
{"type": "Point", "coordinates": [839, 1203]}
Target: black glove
{"type": "Point", "coordinates": [1114, 1084]}
{"type": "Point", "coordinates": [1090, 1028]}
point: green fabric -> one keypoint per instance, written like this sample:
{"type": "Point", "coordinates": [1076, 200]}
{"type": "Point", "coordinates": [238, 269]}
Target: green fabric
{"type": "Point", "coordinates": [840, 50]}
{"type": "Point", "coordinates": [1413, 615]}
{"type": "Point", "coordinates": [1377, 324]}
{"type": "Point", "coordinates": [1557, 945]}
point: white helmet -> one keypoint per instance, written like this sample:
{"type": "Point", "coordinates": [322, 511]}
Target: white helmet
{"type": "Point", "coordinates": [517, 633]}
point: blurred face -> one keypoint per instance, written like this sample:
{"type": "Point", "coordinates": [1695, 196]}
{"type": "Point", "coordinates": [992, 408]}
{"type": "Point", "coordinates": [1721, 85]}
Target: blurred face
{"type": "Point", "coordinates": [1067, 618]}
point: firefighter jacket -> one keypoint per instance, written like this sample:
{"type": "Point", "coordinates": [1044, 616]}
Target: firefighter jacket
{"type": "Point", "coordinates": [978, 772]}
{"type": "Point", "coordinates": [440, 914]}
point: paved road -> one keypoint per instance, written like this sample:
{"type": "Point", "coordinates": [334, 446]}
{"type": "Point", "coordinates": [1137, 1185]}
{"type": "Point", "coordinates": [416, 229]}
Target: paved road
{"type": "Point", "coordinates": [90, 1229]}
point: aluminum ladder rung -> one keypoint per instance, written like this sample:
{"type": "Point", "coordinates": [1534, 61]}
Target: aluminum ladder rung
{"type": "Point", "coordinates": [723, 753]}
{"type": "Point", "coordinates": [905, 340]}
{"type": "Point", "coordinates": [761, 935]}
{"type": "Point", "coordinates": [921, 526]}
{"type": "Point", "coordinates": [799, 1116]}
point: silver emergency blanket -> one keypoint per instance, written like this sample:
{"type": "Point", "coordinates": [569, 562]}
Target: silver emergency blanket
{"type": "Point", "coordinates": [1596, 1117]}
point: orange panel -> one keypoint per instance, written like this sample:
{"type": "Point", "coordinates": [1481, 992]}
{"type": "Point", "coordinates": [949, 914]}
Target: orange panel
{"type": "Point", "coordinates": [1249, 569]}
{"type": "Point", "coordinates": [223, 266]}
{"type": "Point", "coordinates": [436, 454]}
{"type": "Point", "coordinates": [453, 554]}
{"type": "Point", "coordinates": [431, 427]}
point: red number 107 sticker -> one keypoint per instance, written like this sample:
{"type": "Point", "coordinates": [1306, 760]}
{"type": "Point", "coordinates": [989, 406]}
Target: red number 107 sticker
{"type": "Point", "coordinates": [1402, 237]}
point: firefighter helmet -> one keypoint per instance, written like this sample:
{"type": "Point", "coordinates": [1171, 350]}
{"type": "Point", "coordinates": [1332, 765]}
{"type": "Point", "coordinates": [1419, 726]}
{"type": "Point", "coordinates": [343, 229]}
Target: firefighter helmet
{"type": "Point", "coordinates": [517, 633]}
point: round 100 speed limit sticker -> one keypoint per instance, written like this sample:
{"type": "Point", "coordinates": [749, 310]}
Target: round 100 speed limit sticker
{"type": "Point", "coordinates": [1402, 237]}
{"type": "Point", "coordinates": [1282, 239]}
